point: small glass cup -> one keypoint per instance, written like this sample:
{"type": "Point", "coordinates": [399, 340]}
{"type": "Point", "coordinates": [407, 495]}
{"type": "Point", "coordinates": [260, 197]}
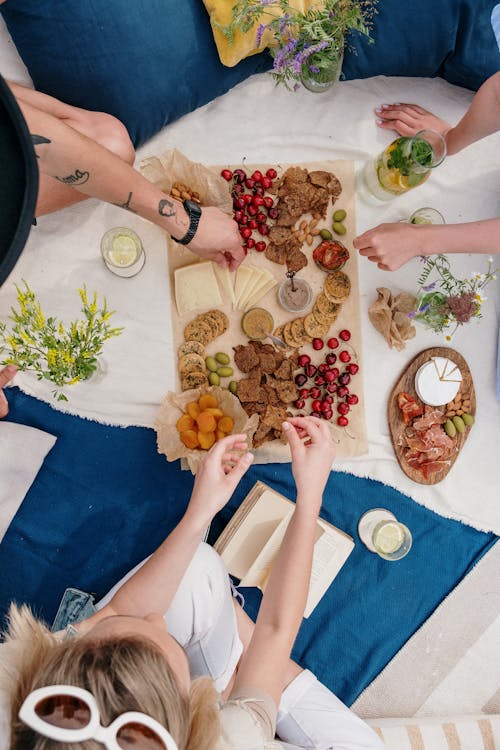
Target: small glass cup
{"type": "Point", "coordinates": [382, 533]}
{"type": "Point", "coordinates": [294, 295]}
{"type": "Point", "coordinates": [122, 252]}
{"type": "Point", "coordinates": [426, 215]}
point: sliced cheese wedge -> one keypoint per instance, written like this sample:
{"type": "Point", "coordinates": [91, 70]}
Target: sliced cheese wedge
{"type": "Point", "coordinates": [437, 381]}
{"type": "Point", "coordinates": [259, 277]}
{"type": "Point", "coordinates": [244, 274]}
{"type": "Point", "coordinates": [196, 288]}
{"type": "Point", "coordinates": [260, 293]}
{"type": "Point", "coordinates": [226, 280]}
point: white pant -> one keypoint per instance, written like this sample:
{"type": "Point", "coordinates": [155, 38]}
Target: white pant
{"type": "Point", "coordinates": [202, 618]}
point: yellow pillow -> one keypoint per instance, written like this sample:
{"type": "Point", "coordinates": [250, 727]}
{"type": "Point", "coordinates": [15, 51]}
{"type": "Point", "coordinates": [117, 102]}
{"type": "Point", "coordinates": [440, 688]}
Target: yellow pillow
{"type": "Point", "coordinates": [220, 12]}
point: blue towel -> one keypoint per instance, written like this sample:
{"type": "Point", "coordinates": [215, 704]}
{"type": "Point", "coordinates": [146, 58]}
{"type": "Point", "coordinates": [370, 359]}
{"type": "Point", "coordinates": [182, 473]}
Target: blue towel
{"type": "Point", "coordinates": [104, 499]}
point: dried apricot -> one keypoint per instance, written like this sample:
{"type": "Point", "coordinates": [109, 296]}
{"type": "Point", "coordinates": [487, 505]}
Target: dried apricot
{"type": "Point", "coordinates": [219, 434]}
{"type": "Point", "coordinates": [225, 424]}
{"type": "Point", "coordinates": [207, 401]}
{"type": "Point", "coordinates": [206, 422]}
{"type": "Point", "coordinates": [190, 438]}
{"type": "Point", "coordinates": [193, 409]}
{"type": "Point", "coordinates": [215, 411]}
{"type": "Point", "coordinates": [206, 439]}
{"type": "Point", "coordinates": [185, 423]}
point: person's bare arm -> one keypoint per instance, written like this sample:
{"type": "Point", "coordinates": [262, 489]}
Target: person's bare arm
{"type": "Point", "coordinates": [6, 376]}
{"type": "Point", "coordinates": [265, 664]}
{"type": "Point", "coordinates": [481, 119]}
{"type": "Point", "coordinates": [73, 159]}
{"type": "Point", "coordinates": [153, 586]}
{"type": "Point", "coordinates": [392, 245]}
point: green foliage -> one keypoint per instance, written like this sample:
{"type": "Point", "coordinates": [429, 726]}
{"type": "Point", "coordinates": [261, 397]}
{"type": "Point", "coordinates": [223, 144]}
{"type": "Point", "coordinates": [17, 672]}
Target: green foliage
{"type": "Point", "coordinates": [43, 345]}
{"type": "Point", "coordinates": [404, 157]}
{"type": "Point", "coordinates": [311, 41]}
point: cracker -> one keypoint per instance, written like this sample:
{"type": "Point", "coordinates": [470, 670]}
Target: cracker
{"type": "Point", "coordinates": [193, 379]}
{"type": "Point", "coordinates": [198, 330]}
{"type": "Point", "coordinates": [191, 363]}
{"type": "Point", "coordinates": [221, 318]}
{"type": "Point", "coordinates": [314, 328]}
{"type": "Point", "coordinates": [337, 286]}
{"type": "Point", "coordinates": [288, 336]}
{"type": "Point", "coordinates": [299, 333]}
{"type": "Point", "coordinates": [191, 347]}
{"type": "Point", "coordinates": [325, 306]}
{"type": "Point", "coordinates": [324, 318]}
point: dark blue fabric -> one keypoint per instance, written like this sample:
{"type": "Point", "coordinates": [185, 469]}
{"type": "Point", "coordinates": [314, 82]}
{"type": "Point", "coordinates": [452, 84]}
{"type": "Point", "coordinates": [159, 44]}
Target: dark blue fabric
{"type": "Point", "coordinates": [453, 39]}
{"type": "Point", "coordinates": [104, 499]}
{"type": "Point", "coordinates": [148, 62]}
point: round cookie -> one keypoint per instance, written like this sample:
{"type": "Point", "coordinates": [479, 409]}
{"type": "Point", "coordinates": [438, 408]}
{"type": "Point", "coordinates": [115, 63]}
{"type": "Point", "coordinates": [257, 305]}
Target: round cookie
{"type": "Point", "coordinates": [314, 328]}
{"type": "Point", "coordinates": [325, 318]}
{"type": "Point", "coordinates": [212, 322]}
{"type": "Point", "coordinates": [193, 379]}
{"type": "Point", "coordinates": [198, 330]}
{"type": "Point", "coordinates": [337, 286]}
{"type": "Point", "coordinates": [190, 363]}
{"type": "Point", "coordinates": [191, 347]}
{"type": "Point", "coordinates": [325, 306]}
{"type": "Point", "coordinates": [288, 337]}
{"type": "Point", "coordinates": [221, 319]}
{"type": "Point", "coordinates": [299, 333]}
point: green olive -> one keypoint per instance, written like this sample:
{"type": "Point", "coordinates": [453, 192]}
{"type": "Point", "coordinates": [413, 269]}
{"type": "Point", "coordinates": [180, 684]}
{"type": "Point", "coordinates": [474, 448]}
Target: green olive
{"type": "Point", "coordinates": [233, 387]}
{"type": "Point", "coordinates": [211, 364]}
{"type": "Point", "coordinates": [222, 358]}
{"type": "Point", "coordinates": [450, 428]}
{"type": "Point", "coordinates": [224, 372]}
{"type": "Point", "coordinates": [468, 419]}
{"type": "Point", "coordinates": [213, 378]}
{"type": "Point", "coordinates": [339, 215]}
{"type": "Point", "coordinates": [459, 423]}
{"type": "Point", "coordinates": [338, 227]}
{"type": "Point", "coordinates": [325, 234]}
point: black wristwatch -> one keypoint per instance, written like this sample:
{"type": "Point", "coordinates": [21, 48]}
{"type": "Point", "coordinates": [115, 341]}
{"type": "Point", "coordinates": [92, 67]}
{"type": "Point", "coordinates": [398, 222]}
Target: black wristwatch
{"type": "Point", "coordinates": [193, 210]}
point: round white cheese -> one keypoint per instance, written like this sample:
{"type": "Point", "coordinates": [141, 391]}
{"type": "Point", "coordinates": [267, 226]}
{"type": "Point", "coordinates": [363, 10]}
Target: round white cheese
{"type": "Point", "coordinates": [437, 381]}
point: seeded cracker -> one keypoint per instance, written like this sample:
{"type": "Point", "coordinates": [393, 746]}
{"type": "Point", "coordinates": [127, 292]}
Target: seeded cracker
{"type": "Point", "coordinates": [191, 347]}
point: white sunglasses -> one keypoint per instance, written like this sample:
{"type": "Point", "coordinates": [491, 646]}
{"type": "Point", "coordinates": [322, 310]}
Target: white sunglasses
{"type": "Point", "coordinates": [70, 714]}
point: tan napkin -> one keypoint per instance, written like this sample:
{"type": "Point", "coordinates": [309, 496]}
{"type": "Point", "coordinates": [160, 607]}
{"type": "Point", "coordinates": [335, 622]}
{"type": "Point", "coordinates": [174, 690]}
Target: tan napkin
{"type": "Point", "coordinates": [389, 315]}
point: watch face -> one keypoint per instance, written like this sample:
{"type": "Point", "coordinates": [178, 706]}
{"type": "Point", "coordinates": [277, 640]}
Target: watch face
{"type": "Point", "coordinates": [192, 207]}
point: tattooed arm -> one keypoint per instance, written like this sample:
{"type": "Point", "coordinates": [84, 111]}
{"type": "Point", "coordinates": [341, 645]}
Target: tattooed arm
{"type": "Point", "coordinates": [83, 164]}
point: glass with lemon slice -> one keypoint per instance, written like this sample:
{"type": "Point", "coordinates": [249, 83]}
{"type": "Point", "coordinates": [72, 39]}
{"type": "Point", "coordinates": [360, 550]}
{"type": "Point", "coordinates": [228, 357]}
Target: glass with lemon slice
{"type": "Point", "coordinates": [381, 532]}
{"type": "Point", "coordinates": [405, 164]}
{"type": "Point", "coordinates": [122, 251]}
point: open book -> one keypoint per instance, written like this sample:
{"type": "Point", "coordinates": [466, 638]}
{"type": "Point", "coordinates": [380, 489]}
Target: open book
{"type": "Point", "coordinates": [251, 540]}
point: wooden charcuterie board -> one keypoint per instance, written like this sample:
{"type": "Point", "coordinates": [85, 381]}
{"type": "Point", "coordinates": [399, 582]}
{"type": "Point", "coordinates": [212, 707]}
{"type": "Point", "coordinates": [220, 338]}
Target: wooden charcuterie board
{"type": "Point", "coordinates": [406, 383]}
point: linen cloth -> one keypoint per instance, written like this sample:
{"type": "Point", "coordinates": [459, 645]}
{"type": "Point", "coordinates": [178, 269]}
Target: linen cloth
{"type": "Point", "coordinates": [257, 122]}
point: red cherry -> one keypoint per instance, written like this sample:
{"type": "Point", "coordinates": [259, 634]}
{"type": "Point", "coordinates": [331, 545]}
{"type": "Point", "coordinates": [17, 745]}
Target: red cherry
{"type": "Point", "coordinates": [271, 173]}
{"type": "Point", "coordinates": [304, 393]}
{"type": "Point", "coordinates": [319, 380]}
{"type": "Point", "coordinates": [332, 387]}
{"type": "Point", "coordinates": [252, 210]}
{"type": "Point", "coordinates": [344, 356]}
{"type": "Point", "coordinates": [328, 399]}
{"type": "Point", "coordinates": [329, 376]}
{"type": "Point", "coordinates": [260, 246]}
{"type": "Point", "coordinates": [342, 391]}
{"type": "Point", "coordinates": [352, 399]}
{"type": "Point", "coordinates": [316, 414]}
{"type": "Point", "coordinates": [325, 406]}
{"type": "Point", "coordinates": [258, 200]}
{"type": "Point", "coordinates": [266, 183]}
{"type": "Point", "coordinates": [331, 358]}
{"type": "Point", "coordinates": [345, 378]}
{"type": "Point", "coordinates": [353, 368]}
{"type": "Point", "coordinates": [261, 218]}
{"type": "Point", "coordinates": [335, 371]}
{"type": "Point", "coordinates": [237, 216]}
{"type": "Point", "coordinates": [263, 229]}
{"type": "Point", "coordinates": [250, 242]}
{"type": "Point", "coordinates": [300, 379]}
{"type": "Point", "coordinates": [299, 403]}
{"type": "Point", "coordinates": [318, 344]}
{"type": "Point", "coordinates": [239, 203]}
{"type": "Point", "coordinates": [245, 232]}
{"type": "Point", "coordinates": [316, 405]}
{"type": "Point", "coordinates": [244, 220]}
{"type": "Point", "coordinates": [328, 413]}
{"type": "Point", "coordinates": [342, 421]}
{"type": "Point", "coordinates": [322, 368]}
{"type": "Point", "coordinates": [343, 408]}
{"type": "Point", "coordinates": [273, 213]}
{"type": "Point", "coordinates": [332, 343]}
{"type": "Point", "coordinates": [249, 183]}
{"type": "Point", "coordinates": [268, 201]}
{"type": "Point", "coordinates": [304, 360]}
{"type": "Point", "coordinates": [239, 175]}
{"type": "Point", "coordinates": [315, 392]}
{"type": "Point", "coordinates": [258, 190]}
{"type": "Point", "coordinates": [257, 176]}
{"type": "Point", "coordinates": [237, 189]}
{"type": "Point", "coordinates": [345, 335]}
{"type": "Point", "coordinates": [310, 370]}
{"type": "Point", "coordinates": [227, 174]}
{"type": "Point", "coordinates": [252, 224]}
{"type": "Point", "coordinates": [247, 198]}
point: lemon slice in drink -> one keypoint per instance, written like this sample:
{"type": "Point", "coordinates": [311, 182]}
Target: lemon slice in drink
{"type": "Point", "coordinates": [388, 537]}
{"type": "Point", "coordinates": [123, 251]}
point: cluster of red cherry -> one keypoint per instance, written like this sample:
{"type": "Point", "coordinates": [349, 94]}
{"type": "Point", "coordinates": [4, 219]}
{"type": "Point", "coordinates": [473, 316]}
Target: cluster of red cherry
{"type": "Point", "coordinates": [328, 382]}
{"type": "Point", "coordinates": [251, 206]}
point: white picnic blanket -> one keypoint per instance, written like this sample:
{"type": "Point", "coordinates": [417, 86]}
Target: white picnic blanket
{"type": "Point", "coordinates": [259, 123]}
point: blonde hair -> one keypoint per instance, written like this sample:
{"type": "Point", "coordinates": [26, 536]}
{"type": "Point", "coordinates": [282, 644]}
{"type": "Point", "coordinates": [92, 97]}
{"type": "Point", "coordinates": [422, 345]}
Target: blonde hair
{"type": "Point", "coordinates": [122, 673]}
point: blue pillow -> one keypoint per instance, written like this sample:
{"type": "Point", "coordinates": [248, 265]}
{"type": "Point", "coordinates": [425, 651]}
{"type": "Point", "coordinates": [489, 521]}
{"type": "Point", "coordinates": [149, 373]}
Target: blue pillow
{"type": "Point", "coordinates": [448, 38]}
{"type": "Point", "coordinates": [147, 62]}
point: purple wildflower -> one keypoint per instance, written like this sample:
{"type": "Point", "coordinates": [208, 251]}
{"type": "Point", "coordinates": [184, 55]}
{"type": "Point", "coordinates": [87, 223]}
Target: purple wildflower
{"type": "Point", "coordinates": [429, 287]}
{"type": "Point", "coordinates": [423, 309]}
{"type": "Point", "coordinates": [411, 314]}
{"type": "Point", "coordinates": [260, 32]}
{"type": "Point", "coordinates": [314, 69]}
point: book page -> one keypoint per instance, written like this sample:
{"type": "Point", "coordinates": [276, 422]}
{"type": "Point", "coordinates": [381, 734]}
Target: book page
{"type": "Point", "coordinates": [260, 570]}
{"type": "Point", "coordinates": [330, 553]}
